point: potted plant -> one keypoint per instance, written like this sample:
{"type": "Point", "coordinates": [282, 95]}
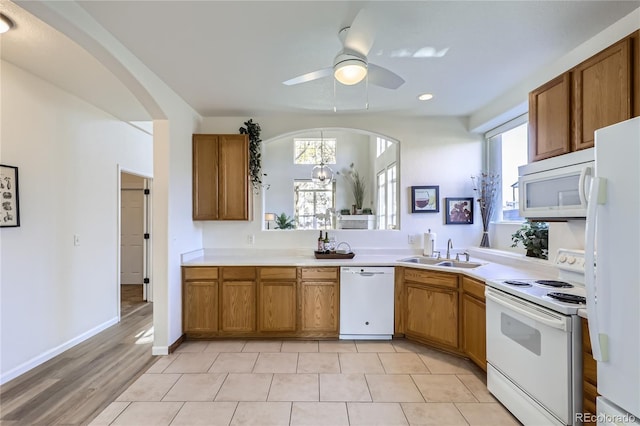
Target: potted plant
{"type": "Point", "coordinates": [358, 186]}
{"type": "Point", "coordinates": [284, 222]}
{"type": "Point", "coordinates": [255, 153]}
{"type": "Point", "coordinates": [534, 236]}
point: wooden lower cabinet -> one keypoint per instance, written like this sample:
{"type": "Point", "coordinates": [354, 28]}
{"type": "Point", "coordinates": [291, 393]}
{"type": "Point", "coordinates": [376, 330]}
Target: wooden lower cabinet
{"type": "Point", "coordinates": [200, 300]}
{"type": "Point", "coordinates": [319, 302]}
{"type": "Point", "coordinates": [277, 305]}
{"type": "Point", "coordinates": [474, 321]}
{"type": "Point", "coordinates": [260, 302]}
{"type": "Point", "coordinates": [431, 307]}
{"type": "Point", "coordinates": [238, 307]}
{"type": "Point", "coordinates": [589, 374]}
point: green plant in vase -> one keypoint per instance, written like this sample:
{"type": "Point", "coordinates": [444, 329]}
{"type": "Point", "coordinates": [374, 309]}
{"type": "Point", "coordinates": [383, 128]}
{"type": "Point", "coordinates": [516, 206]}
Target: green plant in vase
{"type": "Point", "coordinates": [534, 237]}
{"type": "Point", "coordinates": [284, 222]}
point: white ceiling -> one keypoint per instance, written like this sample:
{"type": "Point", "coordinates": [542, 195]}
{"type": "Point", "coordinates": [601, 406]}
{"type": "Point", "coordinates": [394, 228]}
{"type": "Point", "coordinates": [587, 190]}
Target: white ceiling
{"type": "Point", "coordinates": [229, 58]}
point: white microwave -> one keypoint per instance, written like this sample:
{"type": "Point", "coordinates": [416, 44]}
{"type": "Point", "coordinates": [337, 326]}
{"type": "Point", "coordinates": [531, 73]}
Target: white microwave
{"type": "Point", "coordinates": [556, 188]}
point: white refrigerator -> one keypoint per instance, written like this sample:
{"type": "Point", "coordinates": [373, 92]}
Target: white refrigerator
{"type": "Point", "coordinates": [612, 275]}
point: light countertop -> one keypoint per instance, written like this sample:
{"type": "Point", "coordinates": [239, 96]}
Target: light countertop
{"type": "Point", "coordinates": [493, 266]}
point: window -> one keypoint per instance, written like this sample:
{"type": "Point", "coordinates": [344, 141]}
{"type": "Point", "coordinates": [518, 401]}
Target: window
{"type": "Point", "coordinates": [387, 198]}
{"type": "Point", "coordinates": [381, 145]}
{"type": "Point", "coordinates": [314, 150]}
{"type": "Point", "coordinates": [313, 204]}
{"type": "Point", "coordinates": [507, 146]}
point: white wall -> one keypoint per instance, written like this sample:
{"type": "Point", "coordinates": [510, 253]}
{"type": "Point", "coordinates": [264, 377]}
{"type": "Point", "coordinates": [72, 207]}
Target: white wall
{"type": "Point", "coordinates": [67, 152]}
{"type": "Point", "coordinates": [433, 151]}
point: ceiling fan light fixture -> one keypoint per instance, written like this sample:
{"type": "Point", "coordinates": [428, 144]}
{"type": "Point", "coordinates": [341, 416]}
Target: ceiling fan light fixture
{"type": "Point", "coordinates": [349, 69]}
{"type": "Point", "coordinates": [425, 96]}
{"type": "Point", "coordinates": [5, 23]}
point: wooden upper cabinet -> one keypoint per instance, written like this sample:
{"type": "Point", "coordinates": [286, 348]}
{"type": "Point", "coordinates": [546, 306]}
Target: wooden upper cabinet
{"type": "Point", "coordinates": [549, 118]}
{"type": "Point", "coordinates": [602, 92]}
{"type": "Point", "coordinates": [221, 177]}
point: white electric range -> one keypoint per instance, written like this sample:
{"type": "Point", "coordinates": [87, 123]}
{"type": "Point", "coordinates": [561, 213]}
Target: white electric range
{"type": "Point", "coordinates": [534, 348]}
{"type": "Point", "coordinates": [565, 294]}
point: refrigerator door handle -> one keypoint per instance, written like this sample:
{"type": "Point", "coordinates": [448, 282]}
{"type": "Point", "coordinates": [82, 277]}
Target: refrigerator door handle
{"type": "Point", "coordinates": [598, 340]}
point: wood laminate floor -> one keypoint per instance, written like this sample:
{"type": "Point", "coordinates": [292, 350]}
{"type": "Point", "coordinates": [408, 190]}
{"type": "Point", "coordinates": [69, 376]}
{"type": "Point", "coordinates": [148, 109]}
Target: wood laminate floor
{"type": "Point", "coordinates": [75, 386]}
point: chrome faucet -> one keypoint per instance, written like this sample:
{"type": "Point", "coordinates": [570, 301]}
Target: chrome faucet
{"type": "Point", "coordinates": [449, 247]}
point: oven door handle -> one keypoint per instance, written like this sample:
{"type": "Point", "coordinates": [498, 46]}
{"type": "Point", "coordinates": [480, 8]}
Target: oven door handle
{"type": "Point", "coordinates": [548, 319]}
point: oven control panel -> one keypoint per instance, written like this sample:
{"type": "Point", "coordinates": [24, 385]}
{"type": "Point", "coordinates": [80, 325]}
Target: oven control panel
{"type": "Point", "coordinates": [570, 260]}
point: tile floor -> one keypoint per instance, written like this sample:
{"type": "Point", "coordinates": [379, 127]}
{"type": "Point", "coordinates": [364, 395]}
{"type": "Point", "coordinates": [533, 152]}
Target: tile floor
{"type": "Point", "coordinates": [307, 383]}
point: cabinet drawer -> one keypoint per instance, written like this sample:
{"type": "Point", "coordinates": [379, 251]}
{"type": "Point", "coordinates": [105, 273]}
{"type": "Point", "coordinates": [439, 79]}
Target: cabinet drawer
{"type": "Point", "coordinates": [277, 273]}
{"type": "Point", "coordinates": [473, 287]}
{"type": "Point", "coordinates": [200, 273]}
{"type": "Point", "coordinates": [430, 277]}
{"type": "Point", "coordinates": [319, 273]}
{"type": "Point", "coordinates": [239, 273]}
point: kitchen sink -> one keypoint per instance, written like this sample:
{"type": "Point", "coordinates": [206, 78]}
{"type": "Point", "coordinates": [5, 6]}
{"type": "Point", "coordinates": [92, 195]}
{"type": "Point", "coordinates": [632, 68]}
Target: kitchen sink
{"type": "Point", "coordinates": [424, 260]}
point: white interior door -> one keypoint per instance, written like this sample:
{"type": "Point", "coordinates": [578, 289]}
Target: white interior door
{"type": "Point", "coordinates": [132, 214]}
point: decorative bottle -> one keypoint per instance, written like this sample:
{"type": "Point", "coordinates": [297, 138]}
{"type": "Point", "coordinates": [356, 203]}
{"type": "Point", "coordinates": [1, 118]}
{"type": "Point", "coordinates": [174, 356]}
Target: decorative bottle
{"type": "Point", "coordinates": [320, 242]}
{"type": "Point", "coordinates": [326, 244]}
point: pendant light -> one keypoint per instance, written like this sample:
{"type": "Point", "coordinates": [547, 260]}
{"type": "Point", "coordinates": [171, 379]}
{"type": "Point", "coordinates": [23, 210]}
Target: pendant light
{"type": "Point", "coordinates": [321, 173]}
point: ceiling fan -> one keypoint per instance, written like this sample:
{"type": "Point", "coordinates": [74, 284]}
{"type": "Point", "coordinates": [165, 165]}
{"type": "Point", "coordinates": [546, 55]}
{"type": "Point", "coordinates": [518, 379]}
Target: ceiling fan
{"type": "Point", "coordinates": [351, 66]}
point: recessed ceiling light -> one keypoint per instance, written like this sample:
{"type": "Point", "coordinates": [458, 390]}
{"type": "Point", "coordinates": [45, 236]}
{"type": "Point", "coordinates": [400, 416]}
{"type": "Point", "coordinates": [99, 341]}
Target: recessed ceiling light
{"type": "Point", "coordinates": [5, 24]}
{"type": "Point", "coordinates": [425, 96]}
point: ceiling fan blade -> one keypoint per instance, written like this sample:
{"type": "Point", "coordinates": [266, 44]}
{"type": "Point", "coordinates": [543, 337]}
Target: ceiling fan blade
{"type": "Point", "coordinates": [383, 77]}
{"type": "Point", "coordinates": [361, 33]}
{"type": "Point", "coordinates": [310, 76]}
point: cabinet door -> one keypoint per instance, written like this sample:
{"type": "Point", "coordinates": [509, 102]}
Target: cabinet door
{"type": "Point", "coordinates": [432, 313]}
{"type": "Point", "coordinates": [277, 306]}
{"type": "Point", "coordinates": [200, 307]}
{"type": "Point", "coordinates": [474, 330]}
{"type": "Point", "coordinates": [549, 119]}
{"type": "Point", "coordinates": [238, 306]}
{"type": "Point", "coordinates": [602, 92]}
{"type": "Point", "coordinates": [205, 177]}
{"type": "Point", "coordinates": [319, 306]}
{"type": "Point", "coordinates": [233, 173]}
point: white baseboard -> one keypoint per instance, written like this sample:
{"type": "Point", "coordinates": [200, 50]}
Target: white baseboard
{"type": "Point", "coordinates": [46, 356]}
{"type": "Point", "coordinates": [160, 350]}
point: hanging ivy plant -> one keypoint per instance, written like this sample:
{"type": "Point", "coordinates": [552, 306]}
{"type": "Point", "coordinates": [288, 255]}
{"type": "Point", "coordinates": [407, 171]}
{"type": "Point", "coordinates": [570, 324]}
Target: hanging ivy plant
{"type": "Point", "coordinates": [255, 152]}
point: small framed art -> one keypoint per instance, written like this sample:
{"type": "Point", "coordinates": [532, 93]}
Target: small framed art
{"type": "Point", "coordinates": [10, 208]}
{"type": "Point", "coordinates": [425, 199]}
{"type": "Point", "coordinates": [459, 211]}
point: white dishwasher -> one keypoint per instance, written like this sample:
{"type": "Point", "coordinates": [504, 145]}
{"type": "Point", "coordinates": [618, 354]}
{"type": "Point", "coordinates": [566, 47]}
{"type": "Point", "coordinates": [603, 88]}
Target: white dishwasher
{"type": "Point", "coordinates": [366, 302]}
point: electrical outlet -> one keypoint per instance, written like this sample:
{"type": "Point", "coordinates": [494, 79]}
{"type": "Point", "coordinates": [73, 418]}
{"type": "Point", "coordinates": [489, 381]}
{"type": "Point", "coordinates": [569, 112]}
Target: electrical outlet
{"type": "Point", "coordinates": [251, 239]}
{"type": "Point", "coordinates": [412, 239]}
{"type": "Point", "coordinates": [76, 239]}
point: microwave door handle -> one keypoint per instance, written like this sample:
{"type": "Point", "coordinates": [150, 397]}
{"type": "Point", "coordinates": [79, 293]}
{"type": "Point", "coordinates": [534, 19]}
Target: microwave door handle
{"type": "Point", "coordinates": [598, 340]}
{"type": "Point", "coordinates": [583, 190]}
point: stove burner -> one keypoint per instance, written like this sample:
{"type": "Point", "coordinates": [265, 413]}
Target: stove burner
{"type": "Point", "coordinates": [517, 283]}
{"type": "Point", "coordinates": [554, 283]}
{"type": "Point", "coordinates": [568, 298]}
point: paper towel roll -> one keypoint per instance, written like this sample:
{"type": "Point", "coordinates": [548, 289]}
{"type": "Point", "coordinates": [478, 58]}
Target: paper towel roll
{"type": "Point", "coordinates": [429, 243]}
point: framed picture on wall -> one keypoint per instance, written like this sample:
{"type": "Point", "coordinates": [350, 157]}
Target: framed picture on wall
{"type": "Point", "coordinates": [9, 210]}
{"type": "Point", "coordinates": [459, 211]}
{"type": "Point", "coordinates": [425, 199]}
